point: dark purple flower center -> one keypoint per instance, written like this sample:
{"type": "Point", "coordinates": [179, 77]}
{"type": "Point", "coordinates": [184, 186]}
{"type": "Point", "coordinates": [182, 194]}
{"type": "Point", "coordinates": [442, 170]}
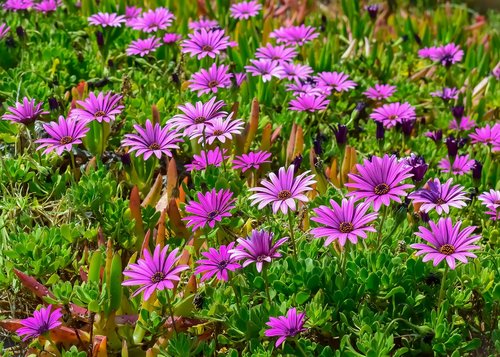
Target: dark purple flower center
{"type": "Point", "coordinates": [497, 202]}
{"type": "Point", "coordinates": [276, 58]}
{"type": "Point", "coordinates": [222, 264]}
{"type": "Point", "coordinates": [200, 120]}
{"type": "Point", "coordinates": [65, 140]}
{"type": "Point", "coordinates": [154, 146]}
{"type": "Point", "coordinates": [285, 194]}
{"type": "Point", "coordinates": [346, 227]}
{"type": "Point", "coordinates": [382, 189]}
{"type": "Point", "coordinates": [158, 277]}
{"type": "Point", "coordinates": [440, 201]}
{"type": "Point", "coordinates": [447, 60]}
{"type": "Point", "coordinates": [218, 132]}
{"type": "Point", "coordinates": [43, 328]}
{"type": "Point", "coordinates": [393, 117]}
{"type": "Point", "coordinates": [292, 331]}
{"type": "Point", "coordinates": [99, 114]}
{"type": "Point", "coordinates": [213, 214]}
{"type": "Point", "coordinates": [207, 48]}
{"type": "Point", "coordinates": [261, 258]}
{"type": "Point", "coordinates": [212, 84]}
{"type": "Point", "coordinates": [447, 249]}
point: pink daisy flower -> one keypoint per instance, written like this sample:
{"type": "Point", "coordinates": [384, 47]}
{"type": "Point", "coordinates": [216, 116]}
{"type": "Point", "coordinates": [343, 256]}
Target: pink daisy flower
{"type": "Point", "coordinates": [4, 30]}
{"type": "Point", "coordinates": [265, 68]}
{"type": "Point", "coordinates": [380, 180]}
{"type": "Point", "coordinates": [156, 272]}
{"type": "Point", "coordinates": [63, 135]}
{"type": "Point", "coordinates": [143, 47]}
{"type": "Point", "coordinates": [203, 23]}
{"type": "Point", "coordinates": [294, 35]}
{"type": "Point", "coordinates": [278, 53]}
{"type": "Point", "coordinates": [153, 20]}
{"type": "Point", "coordinates": [152, 140]}
{"type": "Point", "coordinates": [195, 117]}
{"type": "Point", "coordinates": [466, 123]}
{"type": "Point", "coordinates": [447, 241]}
{"type": "Point", "coordinates": [461, 165]}
{"type": "Point", "coordinates": [380, 91]}
{"type": "Point", "coordinates": [447, 54]}
{"type": "Point", "coordinates": [210, 81]}
{"type": "Point", "coordinates": [257, 248]}
{"type": "Point", "coordinates": [281, 191]}
{"type": "Point", "coordinates": [170, 38]}
{"type": "Point", "coordinates": [298, 89]}
{"type": "Point", "coordinates": [17, 5]}
{"type": "Point", "coordinates": [220, 129]}
{"type": "Point", "coordinates": [393, 113]}
{"type": "Point", "coordinates": [204, 43]}
{"type": "Point", "coordinates": [25, 113]}
{"type": "Point", "coordinates": [337, 81]}
{"type": "Point", "coordinates": [42, 321]}
{"type": "Point", "coordinates": [490, 199]}
{"type": "Point", "coordinates": [285, 326]}
{"type": "Point", "coordinates": [212, 207]}
{"type": "Point", "coordinates": [294, 72]}
{"type": "Point", "coordinates": [252, 160]}
{"type": "Point", "coordinates": [218, 262]}
{"type": "Point", "coordinates": [496, 72]}
{"type": "Point", "coordinates": [132, 12]}
{"type": "Point", "coordinates": [46, 6]}
{"type": "Point", "coordinates": [245, 10]}
{"type": "Point", "coordinates": [239, 78]}
{"type": "Point", "coordinates": [106, 19]}
{"type": "Point", "coordinates": [104, 107]}
{"type": "Point", "coordinates": [440, 196]}
{"type": "Point", "coordinates": [309, 103]}
{"type": "Point", "coordinates": [486, 135]}
{"type": "Point", "coordinates": [207, 158]}
{"type": "Point", "coordinates": [347, 221]}
{"type": "Point", "coordinates": [426, 52]}
{"type": "Point", "coordinates": [446, 94]}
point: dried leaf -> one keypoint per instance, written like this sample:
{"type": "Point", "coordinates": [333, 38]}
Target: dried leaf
{"type": "Point", "coordinates": [176, 223]}
{"type": "Point", "coordinates": [135, 212]}
{"type": "Point", "coordinates": [253, 124]}
{"type": "Point", "coordinates": [153, 195]}
{"type": "Point", "coordinates": [171, 178]}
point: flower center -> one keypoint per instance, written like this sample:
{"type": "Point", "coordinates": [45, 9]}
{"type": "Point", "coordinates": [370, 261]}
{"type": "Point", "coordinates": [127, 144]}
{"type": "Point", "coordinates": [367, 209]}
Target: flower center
{"type": "Point", "coordinates": [42, 329]}
{"type": "Point", "coordinates": [393, 117]}
{"type": "Point", "coordinates": [292, 331]}
{"type": "Point", "coordinates": [497, 202]}
{"type": "Point", "coordinates": [346, 227]}
{"type": "Point", "coordinates": [99, 114]}
{"type": "Point", "coordinates": [66, 140]}
{"type": "Point", "coordinates": [382, 189]}
{"type": "Point", "coordinates": [222, 264]}
{"type": "Point", "coordinates": [212, 84]}
{"type": "Point", "coordinates": [157, 277]}
{"type": "Point", "coordinates": [447, 249]}
{"type": "Point", "coordinates": [154, 146]}
{"type": "Point", "coordinates": [200, 120]}
{"type": "Point", "coordinates": [276, 58]}
{"type": "Point", "coordinates": [447, 60]}
{"type": "Point", "coordinates": [213, 214]}
{"type": "Point", "coordinates": [261, 258]}
{"type": "Point", "coordinates": [285, 194]}
{"type": "Point", "coordinates": [440, 201]}
{"type": "Point", "coordinates": [207, 48]}
{"type": "Point", "coordinates": [218, 132]}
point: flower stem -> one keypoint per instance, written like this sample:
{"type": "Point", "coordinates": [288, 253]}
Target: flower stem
{"type": "Point", "coordinates": [384, 215]}
{"type": "Point", "coordinates": [266, 282]}
{"type": "Point", "coordinates": [171, 309]}
{"type": "Point", "coordinates": [443, 283]}
{"type": "Point", "coordinates": [299, 347]}
{"type": "Point", "coordinates": [292, 236]}
{"type": "Point", "coordinates": [236, 296]}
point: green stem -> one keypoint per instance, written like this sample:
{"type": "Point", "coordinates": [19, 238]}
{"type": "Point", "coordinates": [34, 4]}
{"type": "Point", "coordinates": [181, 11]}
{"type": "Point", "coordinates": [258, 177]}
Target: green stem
{"type": "Point", "coordinates": [171, 309]}
{"type": "Point", "coordinates": [266, 282]}
{"type": "Point", "coordinates": [299, 347]}
{"type": "Point", "coordinates": [292, 236]}
{"type": "Point", "coordinates": [443, 283]}
{"type": "Point", "coordinates": [236, 296]}
{"type": "Point", "coordinates": [384, 215]}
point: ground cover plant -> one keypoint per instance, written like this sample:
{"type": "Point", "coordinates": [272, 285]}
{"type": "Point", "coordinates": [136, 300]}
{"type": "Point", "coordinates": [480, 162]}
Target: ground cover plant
{"type": "Point", "coordinates": [259, 178]}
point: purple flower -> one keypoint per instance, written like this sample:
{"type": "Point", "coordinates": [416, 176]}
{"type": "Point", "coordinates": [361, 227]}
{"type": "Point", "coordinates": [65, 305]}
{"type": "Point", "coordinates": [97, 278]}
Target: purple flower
{"type": "Point", "coordinates": [218, 262]}
{"type": "Point", "coordinates": [491, 200]}
{"type": "Point", "coordinates": [157, 272]}
{"type": "Point", "coordinates": [347, 221]}
{"type": "Point", "coordinates": [257, 248]}
{"type": "Point", "coordinates": [209, 81]}
{"type": "Point", "coordinates": [239, 78]}
{"type": "Point", "coordinates": [393, 113]}
{"type": "Point", "coordinates": [17, 5]}
{"type": "Point", "coordinates": [170, 38]}
{"type": "Point", "coordinates": [294, 35]}
{"type": "Point", "coordinates": [43, 321]}
{"type": "Point", "coordinates": [4, 30]}
{"type": "Point", "coordinates": [337, 81]}
{"type": "Point", "coordinates": [294, 72]}
{"type": "Point", "coordinates": [299, 89]}
{"type": "Point", "coordinates": [447, 241]}
{"type": "Point", "coordinates": [309, 103]}
{"type": "Point", "coordinates": [152, 140]}
{"type": "Point", "coordinates": [278, 53]}
{"type": "Point", "coordinates": [132, 12]}
{"type": "Point", "coordinates": [461, 165]}
{"type": "Point", "coordinates": [380, 91]}
{"type": "Point", "coordinates": [195, 117]}
{"type": "Point", "coordinates": [211, 157]}
{"type": "Point", "coordinates": [204, 43]}
{"type": "Point", "coordinates": [439, 196]}
{"type": "Point", "coordinates": [143, 47]}
{"type": "Point", "coordinates": [63, 135]}
{"type": "Point", "coordinates": [447, 54]}
{"type": "Point", "coordinates": [252, 160]}
{"type": "Point", "coordinates": [464, 124]}
{"type": "Point", "coordinates": [452, 146]}
{"type": "Point", "coordinates": [245, 10]}
{"type": "Point", "coordinates": [265, 68]}
{"type": "Point", "coordinates": [211, 208]}
{"type": "Point", "coordinates": [281, 191]}
{"type": "Point", "coordinates": [104, 107]}
{"type": "Point", "coordinates": [203, 23]}
{"type": "Point", "coordinates": [220, 129]}
{"type": "Point", "coordinates": [153, 20]}
{"type": "Point", "coordinates": [372, 10]}
{"type": "Point", "coordinates": [486, 135]}
{"type": "Point", "coordinates": [106, 19]}
{"type": "Point", "coordinates": [496, 72]}
{"type": "Point", "coordinates": [426, 52]}
{"type": "Point", "coordinates": [446, 94]}
{"type": "Point", "coordinates": [286, 326]}
{"type": "Point", "coordinates": [46, 6]}
{"type": "Point", "coordinates": [24, 113]}
{"type": "Point", "coordinates": [436, 136]}
{"type": "Point", "coordinates": [418, 167]}
{"type": "Point", "coordinates": [380, 180]}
